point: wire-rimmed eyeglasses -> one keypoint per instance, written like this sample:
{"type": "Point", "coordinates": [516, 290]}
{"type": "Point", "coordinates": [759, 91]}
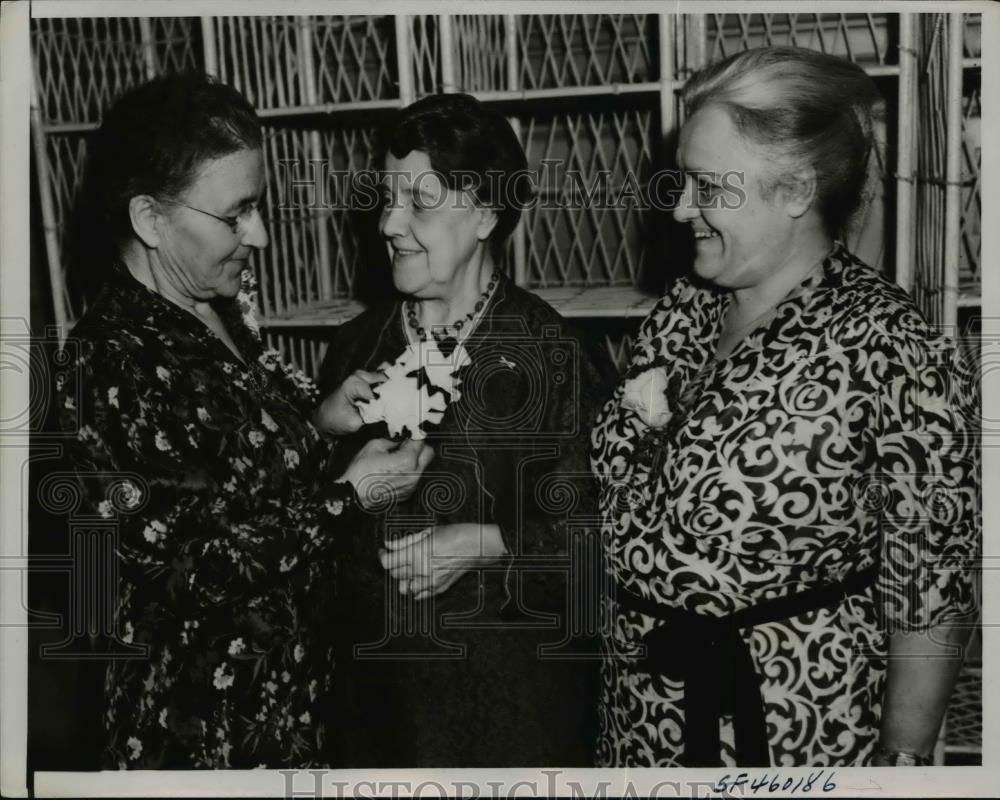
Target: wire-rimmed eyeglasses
{"type": "Point", "coordinates": [236, 224]}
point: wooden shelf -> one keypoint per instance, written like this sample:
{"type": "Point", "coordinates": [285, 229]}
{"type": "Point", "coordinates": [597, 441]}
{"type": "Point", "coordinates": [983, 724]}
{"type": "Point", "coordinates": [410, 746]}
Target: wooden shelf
{"type": "Point", "coordinates": [329, 313]}
{"type": "Point", "coordinates": [616, 302]}
{"type": "Point", "coordinates": [622, 302]}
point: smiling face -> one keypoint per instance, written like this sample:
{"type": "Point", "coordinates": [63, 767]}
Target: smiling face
{"type": "Point", "coordinates": [434, 233]}
{"type": "Point", "coordinates": [203, 256]}
{"type": "Point", "coordinates": [735, 247]}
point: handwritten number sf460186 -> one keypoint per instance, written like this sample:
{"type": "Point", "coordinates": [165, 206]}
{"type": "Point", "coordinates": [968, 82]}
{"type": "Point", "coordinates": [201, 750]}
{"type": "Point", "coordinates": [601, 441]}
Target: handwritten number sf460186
{"type": "Point", "coordinates": [769, 783]}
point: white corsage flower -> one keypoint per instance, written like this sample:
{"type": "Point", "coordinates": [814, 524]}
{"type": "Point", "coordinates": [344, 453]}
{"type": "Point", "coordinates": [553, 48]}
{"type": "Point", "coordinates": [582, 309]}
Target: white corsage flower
{"type": "Point", "coordinates": [402, 402]}
{"type": "Point", "coordinates": [646, 395]}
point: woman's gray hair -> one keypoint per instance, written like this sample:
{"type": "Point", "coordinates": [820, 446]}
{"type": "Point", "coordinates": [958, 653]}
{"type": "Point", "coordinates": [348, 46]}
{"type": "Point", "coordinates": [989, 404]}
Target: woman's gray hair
{"type": "Point", "coordinates": [802, 108]}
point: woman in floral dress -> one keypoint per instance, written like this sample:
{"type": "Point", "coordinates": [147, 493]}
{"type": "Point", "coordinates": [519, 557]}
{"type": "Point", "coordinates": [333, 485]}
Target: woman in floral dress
{"type": "Point", "coordinates": [194, 443]}
{"type": "Point", "coordinates": [788, 468]}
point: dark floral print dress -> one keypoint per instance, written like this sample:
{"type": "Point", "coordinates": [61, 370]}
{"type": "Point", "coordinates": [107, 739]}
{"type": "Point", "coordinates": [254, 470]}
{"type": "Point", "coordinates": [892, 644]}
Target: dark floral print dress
{"type": "Point", "coordinates": [225, 510]}
{"type": "Point", "coordinates": [841, 435]}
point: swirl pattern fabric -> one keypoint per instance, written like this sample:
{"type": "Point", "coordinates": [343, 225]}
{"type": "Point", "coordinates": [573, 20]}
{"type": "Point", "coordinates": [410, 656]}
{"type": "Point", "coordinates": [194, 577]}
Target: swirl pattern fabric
{"type": "Point", "coordinates": [839, 435]}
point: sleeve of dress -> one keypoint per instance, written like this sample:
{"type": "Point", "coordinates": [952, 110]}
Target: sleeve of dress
{"type": "Point", "coordinates": [336, 363]}
{"type": "Point", "coordinates": [551, 509]}
{"type": "Point", "coordinates": [216, 510]}
{"type": "Point", "coordinates": [928, 483]}
{"type": "Point", "coordinates": [352, 347]}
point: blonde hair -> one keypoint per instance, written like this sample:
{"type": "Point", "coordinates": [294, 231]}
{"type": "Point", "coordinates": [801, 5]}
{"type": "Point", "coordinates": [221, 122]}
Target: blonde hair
{"type": "Point", "coordinates": [803, 108]}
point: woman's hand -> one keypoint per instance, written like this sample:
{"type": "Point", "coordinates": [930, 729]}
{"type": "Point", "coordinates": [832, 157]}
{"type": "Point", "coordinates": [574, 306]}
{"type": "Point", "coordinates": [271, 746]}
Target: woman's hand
{"type": "Point", "coordinates": [337, 414]}
{"type": "Point", "coordinates": [384, 469]}
{"type": "Point", "coordinates": [429, 562]}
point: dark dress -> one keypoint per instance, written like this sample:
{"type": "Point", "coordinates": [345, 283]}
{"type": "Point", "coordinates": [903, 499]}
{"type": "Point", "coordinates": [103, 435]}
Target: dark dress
{"type": "Point", "coordinates": [500, 670]}
{"type": "Point", "coordinates": [838, 437]}
{"type": "Point", "coordinates": [225, 509]}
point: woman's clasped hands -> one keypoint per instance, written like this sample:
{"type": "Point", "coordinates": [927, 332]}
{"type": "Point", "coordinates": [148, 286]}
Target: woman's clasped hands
{"type": "Point", "coordinates": [429, 562]}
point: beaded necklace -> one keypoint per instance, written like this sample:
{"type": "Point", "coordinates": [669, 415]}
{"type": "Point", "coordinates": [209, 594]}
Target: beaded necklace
{"type": "Point", "coordinates": [447, 330]}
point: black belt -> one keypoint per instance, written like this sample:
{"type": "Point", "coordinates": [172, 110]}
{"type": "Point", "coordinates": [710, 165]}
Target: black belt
{"type": "Point", "coordinates": [710, 657]}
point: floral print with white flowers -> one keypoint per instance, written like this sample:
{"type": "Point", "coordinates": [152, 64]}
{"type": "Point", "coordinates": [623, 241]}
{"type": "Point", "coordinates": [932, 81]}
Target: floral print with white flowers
{"type": "Point", "coordinates": [226, 512]}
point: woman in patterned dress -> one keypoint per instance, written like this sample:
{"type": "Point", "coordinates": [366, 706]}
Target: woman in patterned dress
{"type": "Point", "coordinates": [194, 443]}
{"type": "Point", "coordinates": [788, 468]}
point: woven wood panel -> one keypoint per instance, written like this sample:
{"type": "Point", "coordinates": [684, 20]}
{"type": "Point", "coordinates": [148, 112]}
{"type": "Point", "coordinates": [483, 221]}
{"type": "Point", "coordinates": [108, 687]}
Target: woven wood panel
{"type": "Point", "coordinates": [862, 38]}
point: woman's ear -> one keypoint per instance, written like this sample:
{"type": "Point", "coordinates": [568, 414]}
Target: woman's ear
{"type": "Point", "coordinates": [800, 192]}
{"type": "Point", "coordinates": [487, 222]}
{"type": "Point", "coordinates": [144, 214]}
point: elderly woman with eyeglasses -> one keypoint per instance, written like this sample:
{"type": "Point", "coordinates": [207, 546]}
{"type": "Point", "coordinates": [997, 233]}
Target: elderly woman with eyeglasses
{"type": "Point", "coordinates": [788, 468]}
{"type": "Point", "coordinates": [196, 444]}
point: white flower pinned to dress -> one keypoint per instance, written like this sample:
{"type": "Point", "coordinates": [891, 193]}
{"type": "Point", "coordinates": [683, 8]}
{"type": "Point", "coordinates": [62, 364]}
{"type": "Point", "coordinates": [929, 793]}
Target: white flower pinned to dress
{"type": "Point", "coordinates": [646, 395]}
{"type": "Point", "coordinates": [403, 402]}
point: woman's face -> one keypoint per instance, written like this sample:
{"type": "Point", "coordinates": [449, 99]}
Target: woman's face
{"type": "Point", "coordinates": [741, 237]}
{"type": "Point", "coordinates": [205, 256]}
{"type": "Point", "coordinates": [433, 233]}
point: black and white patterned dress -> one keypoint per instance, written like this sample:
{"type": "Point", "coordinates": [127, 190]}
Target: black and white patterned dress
{"type": "Point", "coordinates": [842, 434]}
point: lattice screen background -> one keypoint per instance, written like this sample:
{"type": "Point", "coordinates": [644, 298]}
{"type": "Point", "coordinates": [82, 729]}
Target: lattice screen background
{"type": "Point", "coordinates": [596, 92]}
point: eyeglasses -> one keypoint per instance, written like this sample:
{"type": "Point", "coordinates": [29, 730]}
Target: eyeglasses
{"type": "Point", "coordinates": [236, 224]}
